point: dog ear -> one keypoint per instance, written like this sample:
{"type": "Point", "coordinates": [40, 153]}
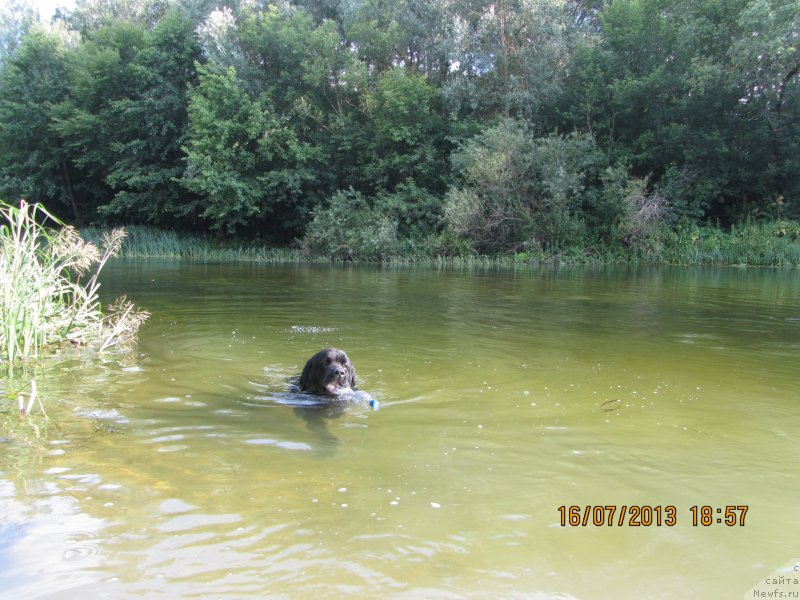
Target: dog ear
{"type": "Point", "coordinates": [305, 375]}
{"type": "Point", "coordinates": [351, 376]}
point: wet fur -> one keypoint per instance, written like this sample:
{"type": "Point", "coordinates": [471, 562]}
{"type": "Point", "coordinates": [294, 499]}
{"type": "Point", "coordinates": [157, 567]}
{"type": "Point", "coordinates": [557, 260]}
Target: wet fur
{"type": "Point", "coordinates": [327, 373]}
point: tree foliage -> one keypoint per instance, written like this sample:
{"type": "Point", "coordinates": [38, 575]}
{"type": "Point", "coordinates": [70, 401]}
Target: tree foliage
{"type": "Point", "coordinates": [496, 124]}
{"type": "Point", "coordinates": [16, 19]}
{"type": "Point", "coordinates": [520, 190]}
{"type": "Point", "coordinates": [243, 161]}
{"type": "Point", "coordinates": [35, 161]}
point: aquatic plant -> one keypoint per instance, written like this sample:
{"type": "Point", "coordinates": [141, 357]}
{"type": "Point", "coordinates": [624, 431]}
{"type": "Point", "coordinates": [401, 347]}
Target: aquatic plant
{"type": "Point", "coordinates": [44, 302]}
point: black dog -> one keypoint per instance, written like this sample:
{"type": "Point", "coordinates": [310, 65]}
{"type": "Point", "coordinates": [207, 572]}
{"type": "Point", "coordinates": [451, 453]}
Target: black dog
{"type": "Point", "coordinates": [328, 373]}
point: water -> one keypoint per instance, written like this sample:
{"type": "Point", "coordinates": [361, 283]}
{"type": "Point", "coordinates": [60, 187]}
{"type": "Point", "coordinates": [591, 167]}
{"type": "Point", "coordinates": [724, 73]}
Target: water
{"type": "Point", "coordinates": [192, 468]}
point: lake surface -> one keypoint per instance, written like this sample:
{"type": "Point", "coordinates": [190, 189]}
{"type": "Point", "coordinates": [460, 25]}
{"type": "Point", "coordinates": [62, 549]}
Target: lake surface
{"type": "Point", "coordinates": [185, 469]}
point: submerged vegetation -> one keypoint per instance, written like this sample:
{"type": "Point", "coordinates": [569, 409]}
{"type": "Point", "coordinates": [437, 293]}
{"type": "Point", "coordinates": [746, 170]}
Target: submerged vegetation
{"type": "Point", "coordinates": [49, 289]}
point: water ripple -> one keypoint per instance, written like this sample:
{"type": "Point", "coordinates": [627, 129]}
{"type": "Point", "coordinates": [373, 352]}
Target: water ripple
{"type": "Point", "coordinates": [312, 329]}
{"type": "Point", "coordinates": [83, 545]}
{"type": "Point", "coordinates": [191, 522]}
{"type": "Point", "coordinates": [278, 443]}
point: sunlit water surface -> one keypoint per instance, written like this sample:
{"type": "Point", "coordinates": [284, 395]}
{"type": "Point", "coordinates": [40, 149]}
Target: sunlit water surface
{"type": "Point", "coordinates": [186, 469]}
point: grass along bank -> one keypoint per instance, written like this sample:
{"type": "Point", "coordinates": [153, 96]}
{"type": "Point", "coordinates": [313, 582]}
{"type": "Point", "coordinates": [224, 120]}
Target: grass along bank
{"type": "Point", "coordinates": [767, 243]}
{"type": "Point", "coordinates": [144, 242]}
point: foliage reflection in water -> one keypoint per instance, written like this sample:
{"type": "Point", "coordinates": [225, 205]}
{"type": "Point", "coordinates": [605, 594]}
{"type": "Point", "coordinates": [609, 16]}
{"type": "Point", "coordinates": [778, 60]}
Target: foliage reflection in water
{"type": "Point", "coordinates": [193, 468]}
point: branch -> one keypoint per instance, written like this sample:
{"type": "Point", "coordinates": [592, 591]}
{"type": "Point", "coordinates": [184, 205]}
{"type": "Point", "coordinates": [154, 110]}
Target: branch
{"type": "Point", "coordinates": [784, 84]}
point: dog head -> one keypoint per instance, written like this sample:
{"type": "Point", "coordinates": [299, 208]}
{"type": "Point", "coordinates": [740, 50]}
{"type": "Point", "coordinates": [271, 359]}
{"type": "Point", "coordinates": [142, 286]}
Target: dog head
{"type": "Point", "coordinates": [328, 373]}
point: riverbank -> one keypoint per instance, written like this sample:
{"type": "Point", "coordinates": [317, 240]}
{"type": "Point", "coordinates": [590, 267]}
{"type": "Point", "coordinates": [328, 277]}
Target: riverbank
{"type": "Point", "coordinates": [763, 244]}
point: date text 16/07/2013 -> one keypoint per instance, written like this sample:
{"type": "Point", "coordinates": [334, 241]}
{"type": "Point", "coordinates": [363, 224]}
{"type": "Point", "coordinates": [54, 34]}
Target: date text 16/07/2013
{"type": "Point", "coordinates": [645, 515]}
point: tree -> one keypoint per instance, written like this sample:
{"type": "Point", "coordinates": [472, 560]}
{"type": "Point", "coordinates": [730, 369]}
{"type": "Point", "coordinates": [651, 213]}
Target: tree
{"type": "Point", "coordinates": [405, 139]}
{"type": "Point", "coordinates": [151, 123]}
{"type": "Point", "coordinates": [16, 19]}
{"type": "Point", "coordinates": [247, 168]}
{"type": "Point", "coordinates": [687, 107]}
{"type": "Point", "coordinates": [519, 190]}
{"type": "Point", "coordinates": [394, 149]}
{"type": "Point", "coordinates": [90, 15]}
{"type": "Point", "coordinates": [100, 72]}
{"type": "Point", "coordinates": [34, 162]}
{"type": "Point", "coordinates": [510, 56]}
{"type": "Point", "coordinates": [414, 34]}
{"type": "Point", "coordinates": [767, 58]}
{"type": "Point", "coordinates": [660, 90]}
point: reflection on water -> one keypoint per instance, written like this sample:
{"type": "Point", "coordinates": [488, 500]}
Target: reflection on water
{"type": "Point", "coordinates": [193, 468]}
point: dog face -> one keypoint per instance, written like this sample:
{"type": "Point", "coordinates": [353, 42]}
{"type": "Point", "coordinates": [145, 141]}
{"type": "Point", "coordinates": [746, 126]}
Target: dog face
{"type": "Point", "coordinates": [328, 373]}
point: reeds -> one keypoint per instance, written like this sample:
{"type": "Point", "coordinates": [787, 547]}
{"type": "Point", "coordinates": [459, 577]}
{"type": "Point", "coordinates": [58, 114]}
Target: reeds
{"type": "Point", "coordinates": [44, 304]}
{"type": "Point", "coordinates": [768, 243]}
{"type": "Point", "coordinates": [144, 242]}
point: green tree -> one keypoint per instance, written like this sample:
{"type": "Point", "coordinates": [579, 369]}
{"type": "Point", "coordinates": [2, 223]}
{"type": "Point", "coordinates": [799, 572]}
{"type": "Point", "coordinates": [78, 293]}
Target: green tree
{"type": "Point", "coordinates": [151, 122]}
{"type": "Point", "coordinates": [509, 57]}
{"type": "Point", "coordinates": [34, 162]}
{"type": "Point", "coordinates": [247, 168]}
{"type": "Point", "coordinates": [661, 88]}
{"type": "Point", "coordinates": [394, 149]}
{"type": "Point", "coordinates": [766, 55]}
{"type": "Point", "coordinates": [414, 34]}
{"type": "Point", "coordinates": [89, 15]}
{"type": "Point", "coordinates": [405, 128]}
{"type": "Point", "coordinates": [16, 19]}
{"type": "Point", "coordinates": [100, 72]}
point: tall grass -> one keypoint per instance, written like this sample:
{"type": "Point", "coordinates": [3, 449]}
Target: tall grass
{"type": "Point", "coordinates": [771, 243]}
{"type": "Point", "coordinates": [144, 242]}
{"type": "Point", "coordinates": [49, 287]}
{"type": "Point", "coordinates": [764, 244]}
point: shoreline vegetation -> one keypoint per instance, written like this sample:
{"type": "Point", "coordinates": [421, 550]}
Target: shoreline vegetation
{"type": "Point", "coordinates": [49, 296]}
{"type": "Point", "coordinates": [628, 131]}
{"type": "Point", "coordinates": [757, 244]}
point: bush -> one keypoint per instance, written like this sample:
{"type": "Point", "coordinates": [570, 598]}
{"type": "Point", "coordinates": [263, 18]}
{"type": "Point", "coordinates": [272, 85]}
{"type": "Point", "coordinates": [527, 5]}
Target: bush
{"type": "Point", "coordinates": [520, 190]}
{"type": "Point", "coordinates": [641, 213]}
{"type": "Point", "coordinates": [418, 213]}
{"type": "Point", "coordinates": [350, 229]}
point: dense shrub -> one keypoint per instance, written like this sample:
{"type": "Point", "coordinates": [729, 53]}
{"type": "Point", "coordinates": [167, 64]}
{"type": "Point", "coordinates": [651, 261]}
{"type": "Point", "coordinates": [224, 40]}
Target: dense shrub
{"type": "Point", "coordinates": [348, 228]}
{"type": "Point", "coordinates": [519, 189]}
{"type": "Point", "coordinates": [418, 213]}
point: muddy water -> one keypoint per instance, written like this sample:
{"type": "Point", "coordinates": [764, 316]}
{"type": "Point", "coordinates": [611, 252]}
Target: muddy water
{"type": "Point", "coordinates": [190, 467]}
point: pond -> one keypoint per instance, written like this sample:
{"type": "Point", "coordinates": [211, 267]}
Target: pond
{"type": "Point", "coordinates": [185, 468]}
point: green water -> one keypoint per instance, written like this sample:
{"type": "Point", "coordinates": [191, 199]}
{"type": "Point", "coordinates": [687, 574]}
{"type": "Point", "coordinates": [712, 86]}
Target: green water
{"type": "Point", "coordinates": [184, 469]}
